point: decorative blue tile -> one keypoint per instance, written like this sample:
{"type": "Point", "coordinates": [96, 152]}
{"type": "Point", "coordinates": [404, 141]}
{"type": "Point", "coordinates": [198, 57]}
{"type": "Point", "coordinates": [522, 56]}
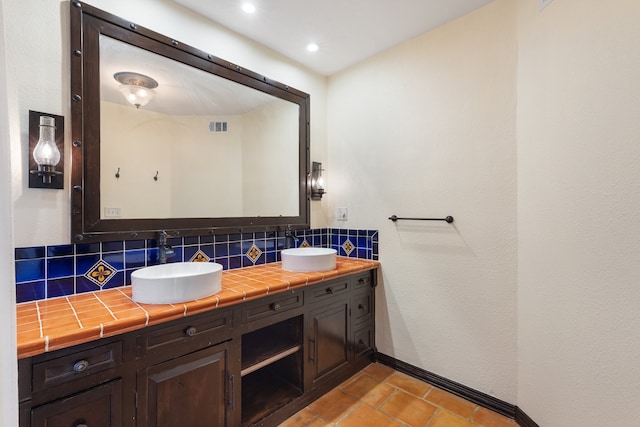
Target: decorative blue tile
{"type": "Point", "coordinates": [206, 239]}
{"type": "Point", "coordinates": [88, 248]}
{"type": "Point", "coordinates": [29, 270]}
{"type": "Point", "coordinates": [101, 273]}
{"type": "Point", "coordinates": [84, 285]}
{"type": "Point", "coordinates": [152, 256]}
{"type": "Point", "coordinates": [60, 250]}
{"type": "Point", "coordinates": [85, 262]}
{"type": "Point", "coordinates": [248, 236]}
{"type": "Point", "coordinates": [221, 249]}
{"type": "Point", "coordinates": [235, 248]}
{"type": "Point", "coordinates": [191, 240]}
{"type": "Point", "coordinates": [199, 256]}
{"type": "Point", "coordinates": [221, 238]}
{"type": "Point", "coordinates": [116, 282]}
{"type": "Point", "coordinates": [60, 287]}
{"type": "Point", "coordinates": [116, 259]}
{"type": "Point", "coordinates": [190, 251]}
{"type": "Point", "coordinates": [260, 235]}
{"type": "Point", "coordinates": [235, 262]}
{"type": "Point", "coordinates": [134, 244]}
{"type": "Point", "coordinates": [30, 291]}
{"type": "Point", "coordinates": [134, 258]}
{"type": "Point", "coordinates": [253, 254]}
{"type": "Point", "coordinates": [235, 237]}
{"type": "Point", "coordinates": [60, 267]}
{"type": "Point", "coordinates": [207, 249]}
{"type": "Point", "coordinates": [224, 262]}
{"type": "Point", "coordinates": [174, 241]}
{"type": "Point", "coordinates": [361, 253]}
{"type": "Point", "coordinates": [112, 246]}
{"type": "Point", "coordinates": [29, 253]}
{"type": "Point", "coordinates": [272, 257]}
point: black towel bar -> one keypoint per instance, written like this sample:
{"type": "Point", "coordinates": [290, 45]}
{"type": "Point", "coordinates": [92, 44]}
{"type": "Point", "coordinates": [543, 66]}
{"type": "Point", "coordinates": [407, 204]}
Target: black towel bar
{"type": "Point", "coordinates": [448, 219]}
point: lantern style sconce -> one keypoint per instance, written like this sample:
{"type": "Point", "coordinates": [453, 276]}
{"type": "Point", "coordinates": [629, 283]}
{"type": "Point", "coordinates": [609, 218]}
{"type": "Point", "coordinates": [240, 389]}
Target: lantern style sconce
{"type": "Point", "coordinates": [136, 88]}
{"type": "Point", "coordinates": [317, 181]}
{"type": "Point", "coordinates": [46, 149]}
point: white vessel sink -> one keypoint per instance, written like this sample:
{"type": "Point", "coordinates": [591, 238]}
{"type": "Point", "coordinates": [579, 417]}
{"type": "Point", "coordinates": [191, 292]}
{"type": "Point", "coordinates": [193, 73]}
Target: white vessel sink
{"type": "Point", "coordinates": [176, 282]}
{"type": "Point", "coordinates": [309, 259]}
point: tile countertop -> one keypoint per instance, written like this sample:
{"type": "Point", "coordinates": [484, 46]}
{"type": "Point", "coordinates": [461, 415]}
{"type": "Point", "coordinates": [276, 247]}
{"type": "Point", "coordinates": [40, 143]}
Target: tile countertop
{"type": "Point", "coordinates": [57, 323]}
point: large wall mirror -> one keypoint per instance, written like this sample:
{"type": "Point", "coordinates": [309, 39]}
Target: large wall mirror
{"type": "Point", "coordinates": [206, 148]}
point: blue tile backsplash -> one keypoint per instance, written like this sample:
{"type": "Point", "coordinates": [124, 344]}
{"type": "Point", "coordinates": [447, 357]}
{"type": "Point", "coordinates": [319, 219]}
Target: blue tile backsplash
{"type": "Point", "coordinates": [51, 271]}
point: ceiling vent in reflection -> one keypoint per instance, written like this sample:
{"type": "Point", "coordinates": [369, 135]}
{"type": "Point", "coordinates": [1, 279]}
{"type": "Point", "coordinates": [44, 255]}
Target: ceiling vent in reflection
{"type": "Point", "coordinates": [218, 127]}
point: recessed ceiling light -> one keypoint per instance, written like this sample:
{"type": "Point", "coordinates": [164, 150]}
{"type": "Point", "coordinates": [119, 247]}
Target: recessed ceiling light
{"type": "Point", "coordinates": [312, 47]}
{"type": "Point", "coordinates": [248, 8]}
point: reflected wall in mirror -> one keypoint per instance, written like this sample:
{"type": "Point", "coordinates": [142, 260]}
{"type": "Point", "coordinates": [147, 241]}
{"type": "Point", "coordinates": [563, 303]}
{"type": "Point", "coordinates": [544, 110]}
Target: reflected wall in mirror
{"type": "Point", "coordinates": [218, 149]}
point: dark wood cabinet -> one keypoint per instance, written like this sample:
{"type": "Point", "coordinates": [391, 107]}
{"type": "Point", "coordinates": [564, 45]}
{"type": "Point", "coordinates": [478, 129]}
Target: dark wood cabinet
{"type": "Point", "coordinates": [192, 390]}
{"type": "Point", "coordinates": [100, 406]}
{"type": "Point", "coordinates": [328, 329]}
{"type": "Point", "coordinates": [252, 364]}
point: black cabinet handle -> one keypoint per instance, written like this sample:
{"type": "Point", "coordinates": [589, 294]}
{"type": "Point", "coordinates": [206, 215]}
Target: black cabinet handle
{"type": "Point", "coordinates": [80, 366]}
{"type": "Point", "coordinates": [190, 331]}
{"type": "Point", "coordinates": [360, 307]}
{"type": "Point", "coordinates": [275, 306]}
{"type": "Point", "coordinates": [329, 290]}
{"type": "Point", "coordinates": [232, 392]}
{"type": "Point", "coordinates": [312, 353]}
{"type": "Point", "coordinates": [361, 280]}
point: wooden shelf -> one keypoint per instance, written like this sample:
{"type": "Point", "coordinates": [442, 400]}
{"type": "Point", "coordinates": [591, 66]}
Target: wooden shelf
{"type": "Point", "coordinates": [256, 361]}
{"type": "Point", "coordinates": [264, 392]}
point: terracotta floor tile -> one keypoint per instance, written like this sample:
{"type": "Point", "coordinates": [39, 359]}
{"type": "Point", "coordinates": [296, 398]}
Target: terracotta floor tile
{"type": "Point", "coordinates": [408, 384]}
{"type": "Point", "coordinates": [300, 419]}
{"type": "Point", "coordinates": [369, 389]}
{"type": "Point", "coordinates": [492, 419]}
{"type": "Point", "coordinates": [378, 370]}
{"type": "Point", "coordinates": [453, 403]}
{"type": "Point", "coordinates": [447, 419]}
{"type": "Point", "coordinates": [318, 422]}
{"type": "Point", "coordinates": [333, 405]}
{"type": "Point", "coordinates": [365, 415]}
{"type": "Point", "coordinates": [408, 408]}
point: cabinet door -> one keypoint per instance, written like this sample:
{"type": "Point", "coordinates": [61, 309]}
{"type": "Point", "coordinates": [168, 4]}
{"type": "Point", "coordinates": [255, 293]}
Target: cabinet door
{"type": "Point", "coordinates": [189, 391]}
{"type": "Point", "coordinates": [98, 407]}
{"type": "Point", "coordinates": [328, 340]}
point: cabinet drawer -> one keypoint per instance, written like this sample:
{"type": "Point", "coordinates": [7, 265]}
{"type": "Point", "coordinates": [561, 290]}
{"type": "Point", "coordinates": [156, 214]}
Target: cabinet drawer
{"type": "Point", "coordinates": [100, 406]}
{"type": "Point", "coordinates": [270, 306]}
{"type": "Point", "coordinates": [365, 280]}
{"type": "Point", "coordinates": [325, 291]}
{"type": "Point", "coordinates": [188, 335]}
{"type": "Point", "coordinates": [362, 307]}
{"type": "Point", "coordinates": [363, 340]}
{"type": "Point", "coordinates": [58, 371]}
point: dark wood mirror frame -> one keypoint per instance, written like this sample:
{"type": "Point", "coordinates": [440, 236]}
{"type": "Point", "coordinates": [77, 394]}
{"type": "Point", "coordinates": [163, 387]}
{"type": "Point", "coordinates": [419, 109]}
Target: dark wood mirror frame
{"type": "Point", "coordinates": [87, 24]}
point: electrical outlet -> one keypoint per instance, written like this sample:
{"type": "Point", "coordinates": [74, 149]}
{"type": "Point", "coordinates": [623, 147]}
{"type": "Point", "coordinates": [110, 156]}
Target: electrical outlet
{"type": "Point", "coordinates": [112, 212]}
{"type": "Point", "coordinates": [342, 214]}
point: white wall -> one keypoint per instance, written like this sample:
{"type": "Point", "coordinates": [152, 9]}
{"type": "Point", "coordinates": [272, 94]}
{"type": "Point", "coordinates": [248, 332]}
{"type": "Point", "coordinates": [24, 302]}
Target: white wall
{"type": "Point", "coordinates": [427, 129]}
{"type": "Point", "coordinates": [40, 81]}
{"type": "Point", "coordinates": [579, 212]}
{"type": "Point", "coordinates": [8, 365]}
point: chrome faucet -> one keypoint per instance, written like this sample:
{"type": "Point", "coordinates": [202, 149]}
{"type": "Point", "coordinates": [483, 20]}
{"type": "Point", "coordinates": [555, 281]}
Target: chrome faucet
{"type": "Point", "coordinates": [164, 249]}
{"type": "Point", "coordinates": [289, 237]}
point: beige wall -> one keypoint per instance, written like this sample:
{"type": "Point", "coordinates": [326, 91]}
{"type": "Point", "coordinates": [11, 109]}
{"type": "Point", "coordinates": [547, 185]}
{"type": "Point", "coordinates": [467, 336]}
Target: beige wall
{"type": "Point", "coordinates": [579, 212]}
{"type": "Point", "coordinates": [427, 129]}
{"type": "Point", "coordinates": [8, 365]}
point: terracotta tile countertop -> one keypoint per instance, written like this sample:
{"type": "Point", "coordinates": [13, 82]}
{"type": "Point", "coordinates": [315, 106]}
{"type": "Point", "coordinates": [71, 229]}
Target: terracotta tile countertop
{"type": "Point", "coordinates": [57, 323]}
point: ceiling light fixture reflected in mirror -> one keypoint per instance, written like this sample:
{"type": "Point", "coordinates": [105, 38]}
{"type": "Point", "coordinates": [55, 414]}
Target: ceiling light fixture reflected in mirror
{"type": "Point", "coordinates": [136, 88]}
{"type": "Point", "coordinates": [248, 8]}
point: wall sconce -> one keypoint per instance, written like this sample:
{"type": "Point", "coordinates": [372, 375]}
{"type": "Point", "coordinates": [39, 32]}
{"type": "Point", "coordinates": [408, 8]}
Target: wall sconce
{"type": "Point", "coordinates": [317, 181]}
{"type": "Point", "coordinates": [136, 88]}
{"type": "Point", "coordinates": [46, 148]}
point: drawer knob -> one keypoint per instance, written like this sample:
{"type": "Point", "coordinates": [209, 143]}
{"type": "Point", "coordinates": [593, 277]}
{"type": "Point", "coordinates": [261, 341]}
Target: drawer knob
{"type": "Point", "coordinates": [190, 331]}
{"type": "Point", "coordinates": [80, 366]}
{"type": "Point", "coordinates": [275, 306]}
{"type": "Point", "coordinates": [329, 290]}
{"type": "Point", "coordinates": [361, 280]}
{"type": "Point", "coordinates": [360, 307]}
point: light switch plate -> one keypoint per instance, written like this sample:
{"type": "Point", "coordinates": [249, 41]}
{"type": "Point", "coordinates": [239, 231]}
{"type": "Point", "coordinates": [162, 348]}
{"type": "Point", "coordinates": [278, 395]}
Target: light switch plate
{"type": "Point", "coordinates": [342, 214]}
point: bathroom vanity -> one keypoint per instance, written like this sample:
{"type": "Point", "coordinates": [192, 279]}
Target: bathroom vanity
{"type": "Point", "coordinates": [253, 362]}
